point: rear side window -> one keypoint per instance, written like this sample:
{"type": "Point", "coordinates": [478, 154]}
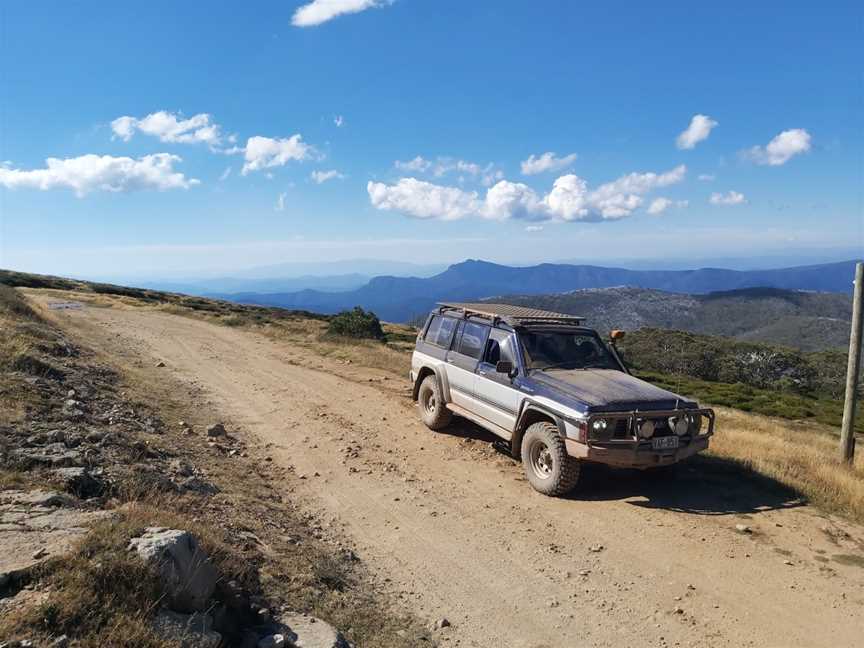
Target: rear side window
{"type": "Point", "coordinates": [440, 331]}
{"type": "Point", "coordinates": [472, 340]}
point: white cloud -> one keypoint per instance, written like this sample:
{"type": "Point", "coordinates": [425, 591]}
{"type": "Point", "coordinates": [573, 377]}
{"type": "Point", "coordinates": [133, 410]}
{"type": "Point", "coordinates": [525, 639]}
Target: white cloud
{"type": "Point", "coordinates": [320, 11]}
{"type": "Point", "coordinates": [619, 198]}
{"type": "Point", "coordinates": [699, 129]}
{"type": "Point", "coordinates": [507, 200]}
{"type": "Point", "coordinates": [569, 200]}
{"type": "Point", "coordinates": [338, 120]}
{"type": "Point", "coordinates": [533, 228]}
{"type": "Point", "coordinates": [89, 173]}
{"type": "Point", "coordinates": [280, 202]}
{"type": "Point", "coordinates": [267, 152]}
{"type": "Point", "coordinates": [782, 148]}
{"type": "Point", "coordinates": [170, 127]}
{"type": "Point", "coordinates": [729, 198]}
{"type": "Point", "coordinates": [418, 164]}
{"type": "Point", "coordinates": [546, 162]}
{"type": "Point", "coordinates": [660, 205]}
{"type": "Point", "coordinates": [423, 199]}
{"type": "Point", "coordinates": [225, 174]}
{"type": "Point", "coordinates": [707, 177]}
{"type": "Point", "coordinates": [321, 177]}
{"type": "Point", "coordinates": [441, 166]}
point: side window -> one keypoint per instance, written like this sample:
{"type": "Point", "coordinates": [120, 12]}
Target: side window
{"type": "Point", "coordinates": [434, 327]}
{"type": "Point", "coordinates": [440, 331]}
{"type": "Point", "coordinates": [499, 347]}
{"type": "Point", "coordinates": [472, 340]}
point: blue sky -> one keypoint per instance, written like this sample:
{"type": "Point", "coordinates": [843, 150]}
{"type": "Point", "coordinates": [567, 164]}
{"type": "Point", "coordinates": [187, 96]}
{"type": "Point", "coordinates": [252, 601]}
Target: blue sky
{"type": "Point", "coordinates": [427, 115]}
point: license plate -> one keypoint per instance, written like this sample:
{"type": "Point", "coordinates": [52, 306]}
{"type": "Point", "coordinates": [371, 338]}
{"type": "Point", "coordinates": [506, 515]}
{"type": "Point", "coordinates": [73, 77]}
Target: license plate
{"type": "Point", "coordinates": [664, 443]}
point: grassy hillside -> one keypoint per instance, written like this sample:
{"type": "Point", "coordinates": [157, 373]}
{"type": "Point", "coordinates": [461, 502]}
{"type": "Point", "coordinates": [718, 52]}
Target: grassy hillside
{"type": "Point", "coordinates": [810, 321]}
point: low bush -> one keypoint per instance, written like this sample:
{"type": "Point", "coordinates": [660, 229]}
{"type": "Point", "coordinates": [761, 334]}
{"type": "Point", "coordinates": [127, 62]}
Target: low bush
{"type": "Point", "coordinates": [356, 323]}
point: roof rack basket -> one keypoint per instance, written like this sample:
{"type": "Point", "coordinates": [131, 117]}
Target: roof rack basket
{"type": "Point", "coordinates": [512, 315]}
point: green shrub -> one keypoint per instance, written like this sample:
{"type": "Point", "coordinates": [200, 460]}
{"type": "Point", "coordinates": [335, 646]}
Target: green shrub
{"type": "Point", "coordinates": [356, 323]}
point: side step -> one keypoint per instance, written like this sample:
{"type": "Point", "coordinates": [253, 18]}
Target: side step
{"type": "Point", "coordinates": [479, 420]}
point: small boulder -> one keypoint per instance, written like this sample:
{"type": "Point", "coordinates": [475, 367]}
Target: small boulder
{"type": "Point", "coordinates": [273, 641]}
{"type": "Point", "coordinates": [187, 630]}
{"type": "Point", "coordinates": [310, 632]}
{"type": "Point", "coordinates": [186, 573]}
{"type": "Point", "coordinates": [216, 430]}
{"type": "Point", "coordinates": [160, 364]}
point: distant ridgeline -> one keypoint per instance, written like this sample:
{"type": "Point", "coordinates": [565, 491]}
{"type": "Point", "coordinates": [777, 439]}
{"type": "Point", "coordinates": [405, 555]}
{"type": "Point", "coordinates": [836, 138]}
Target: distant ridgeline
{"type": "Point", "coordinates": [401, 299]}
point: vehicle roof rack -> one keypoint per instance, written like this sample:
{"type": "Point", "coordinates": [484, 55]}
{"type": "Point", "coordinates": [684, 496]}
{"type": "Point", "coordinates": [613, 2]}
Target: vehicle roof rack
{"type": "Point", "coordinates": [512, 315]}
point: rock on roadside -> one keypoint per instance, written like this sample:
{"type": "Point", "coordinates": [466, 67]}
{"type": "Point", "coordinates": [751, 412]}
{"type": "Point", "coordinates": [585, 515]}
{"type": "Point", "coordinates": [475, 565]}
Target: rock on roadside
{"type": "Point", "coordinates": [303, 631]}
{"type": "Point", "coordinates": [186, 573]}
{"type": "Point", "coordinates": [216, 430]}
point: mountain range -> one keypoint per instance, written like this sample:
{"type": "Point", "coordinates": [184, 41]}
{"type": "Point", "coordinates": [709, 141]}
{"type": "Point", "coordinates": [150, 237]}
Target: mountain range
{"type": "Point", "coordinates": [401, 299]}
{"type": "Point", "coordinates": [809, 321]}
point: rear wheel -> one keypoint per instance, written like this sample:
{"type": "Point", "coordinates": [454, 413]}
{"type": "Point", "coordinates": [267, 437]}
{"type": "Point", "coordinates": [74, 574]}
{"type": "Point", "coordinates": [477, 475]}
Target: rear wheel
{"type": "Point", "coordinates": [548, 467]}
{"type": "Point", "coordinates": [433, 410]}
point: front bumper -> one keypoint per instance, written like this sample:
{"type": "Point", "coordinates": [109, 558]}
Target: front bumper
{"type": "Point", "coordinates": [635, 452]}
{"type": "Point", "coordinates": [634, 457]}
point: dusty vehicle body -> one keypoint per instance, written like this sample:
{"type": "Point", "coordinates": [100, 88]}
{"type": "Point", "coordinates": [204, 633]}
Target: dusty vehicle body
{"type": "Point", "coordinates": [552, 389]}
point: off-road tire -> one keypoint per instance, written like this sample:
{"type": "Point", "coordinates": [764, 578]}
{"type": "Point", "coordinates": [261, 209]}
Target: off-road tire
{"type": "Point", "coordinates": [548, 467]}
{"type": "Point", "coordinates": [433, 410]}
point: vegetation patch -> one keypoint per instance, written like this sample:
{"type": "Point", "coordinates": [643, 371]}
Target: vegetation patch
{"type": "Point", "coordinates": [356, 323]}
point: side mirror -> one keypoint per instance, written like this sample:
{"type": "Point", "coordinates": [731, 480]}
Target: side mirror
{"type": "Point", "coordinates": [616, 335]}
{"type": "Point", "coordinates": [504, 367]}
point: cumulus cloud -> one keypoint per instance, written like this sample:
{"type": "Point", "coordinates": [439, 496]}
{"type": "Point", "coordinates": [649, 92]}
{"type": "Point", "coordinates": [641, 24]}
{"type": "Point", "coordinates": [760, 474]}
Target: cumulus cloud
{"type": "Point", "coordinates": [569, 199]}
{"type": "Point", "coordinates": [170, 127]}
{"type": "Point", "coordinates": [320, 11]}
{"type": "Point", "coordinates": [533, 228]}
{"type": "Point", "coordinates": [707, 177]}
{"type": "Point", "coordinates": [548, 161]}
{"type": "Point", "coordinates": [225, 174]}
{"type": "Point", "coordinates": [89, 173]}
{"type": "Point", "coordinates": [267, 152]}
{"type": "Point", "coordinates": [699, 129]}
{"type": "Point", "coordinates": [320, 177]}
{"type": "Point", "coordinates": [423, 199]}
{"type": "Point", "coordinates": [507, 200]}
{"type": "Point", "coordinates": [729, 198]}
{"type": "Point", "coordinates": [338, 120]}
{"type": "Point", "coordinates": [280, 202]}
{"type": "Point", "coordinates": [660, 205]}
{"type": "Point", "coordinates": [782, 148]}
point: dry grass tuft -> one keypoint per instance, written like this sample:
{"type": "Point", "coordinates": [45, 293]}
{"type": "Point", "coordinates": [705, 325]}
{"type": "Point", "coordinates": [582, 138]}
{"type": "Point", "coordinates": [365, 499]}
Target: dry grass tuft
{"type": "Point", "coordinates": [803, 457]}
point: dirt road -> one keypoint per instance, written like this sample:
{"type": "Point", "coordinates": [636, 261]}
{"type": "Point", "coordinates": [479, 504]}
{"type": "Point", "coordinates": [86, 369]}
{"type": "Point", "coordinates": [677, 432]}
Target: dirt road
{"type": "Point", "coordinates": [627, 561]}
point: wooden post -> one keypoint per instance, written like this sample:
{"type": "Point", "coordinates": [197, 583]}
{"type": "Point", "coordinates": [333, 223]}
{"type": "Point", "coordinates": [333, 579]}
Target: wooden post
{"type": "Point", "coordinates": [847, 432]}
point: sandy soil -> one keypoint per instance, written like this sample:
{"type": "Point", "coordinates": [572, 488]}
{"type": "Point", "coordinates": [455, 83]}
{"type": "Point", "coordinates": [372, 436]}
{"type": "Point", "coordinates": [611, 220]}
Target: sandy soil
{"type": "Point", "coordinates": [626, 561]}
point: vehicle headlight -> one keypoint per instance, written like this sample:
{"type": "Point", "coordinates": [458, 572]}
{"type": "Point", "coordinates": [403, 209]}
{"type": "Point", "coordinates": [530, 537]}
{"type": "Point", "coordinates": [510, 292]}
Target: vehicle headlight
{"type": "Point", "coordinates": [679, 425]}
{"type": "Point", "coordinates": [695, 423]}
{"type": "Point", "coordinates": [601, 429]}
{"type": "Point", "coordinates": [646, 429]}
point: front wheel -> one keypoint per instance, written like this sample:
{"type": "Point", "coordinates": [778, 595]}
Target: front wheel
{"type": "Point", "coordinates": [433, 410]}
{"type": "Point", "coordinates": [548, 467]}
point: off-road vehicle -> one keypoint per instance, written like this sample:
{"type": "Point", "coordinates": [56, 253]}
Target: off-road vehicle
{"type": "Point", "coordinates": [553, 389]}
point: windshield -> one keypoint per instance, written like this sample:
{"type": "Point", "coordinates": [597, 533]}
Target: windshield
{"type": "Point", "coordinates": [565, 350]}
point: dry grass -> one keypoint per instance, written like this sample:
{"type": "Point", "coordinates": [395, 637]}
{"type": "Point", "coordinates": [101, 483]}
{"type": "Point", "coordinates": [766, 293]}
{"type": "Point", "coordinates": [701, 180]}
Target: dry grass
{"type": "Point", "coordinates": [102, 593]}
{"type": "Point", "coordinates": [803, 457]}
